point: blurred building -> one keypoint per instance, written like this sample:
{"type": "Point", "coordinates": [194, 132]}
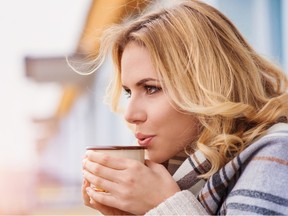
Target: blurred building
{"type": "Point", "coordinates": [81, 118]}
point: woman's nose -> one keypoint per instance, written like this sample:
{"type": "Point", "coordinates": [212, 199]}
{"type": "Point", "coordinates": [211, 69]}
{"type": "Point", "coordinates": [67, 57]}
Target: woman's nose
{"type": "Point", "coordinates": [135, 112]}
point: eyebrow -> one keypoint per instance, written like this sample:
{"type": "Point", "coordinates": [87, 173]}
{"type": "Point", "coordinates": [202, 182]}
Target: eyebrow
{"type": "Point", "coordinates": [141, 82]}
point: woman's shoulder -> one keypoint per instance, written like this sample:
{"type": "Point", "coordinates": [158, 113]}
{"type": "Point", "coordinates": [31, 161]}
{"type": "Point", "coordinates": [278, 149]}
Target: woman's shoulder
{"type": "Point", "coordinates": [268, 152]}
{"type": "Point", "coordinates": [274, 143]}
{"type": "Point", "coordinates": [262, 176]}
{"type": "Point", "coordinates": [258, 173]}
{"type": "Point", "coordinates": [278, 130]}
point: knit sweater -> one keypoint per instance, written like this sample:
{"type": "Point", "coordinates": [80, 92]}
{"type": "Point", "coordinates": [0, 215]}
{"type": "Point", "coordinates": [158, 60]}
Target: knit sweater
{"type": "Point", "coordinates": [254, 182]}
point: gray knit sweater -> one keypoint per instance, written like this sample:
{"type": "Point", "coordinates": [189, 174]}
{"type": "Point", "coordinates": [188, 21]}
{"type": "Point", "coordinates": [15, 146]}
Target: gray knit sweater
{"type": "Point", "coordinates": [255, 182]}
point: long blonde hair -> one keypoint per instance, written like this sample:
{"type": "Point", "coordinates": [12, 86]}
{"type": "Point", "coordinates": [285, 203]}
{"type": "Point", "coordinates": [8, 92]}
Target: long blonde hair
{"type": "Point", "coordinates": [208, 70]}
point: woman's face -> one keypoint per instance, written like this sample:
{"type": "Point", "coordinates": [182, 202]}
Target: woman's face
{"type": "Point", "coordinates": [158, 126]}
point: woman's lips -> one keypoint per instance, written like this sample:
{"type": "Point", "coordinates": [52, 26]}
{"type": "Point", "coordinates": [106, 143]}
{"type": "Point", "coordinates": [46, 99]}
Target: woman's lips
{"type": "Point", "coordinates": [144, 140]}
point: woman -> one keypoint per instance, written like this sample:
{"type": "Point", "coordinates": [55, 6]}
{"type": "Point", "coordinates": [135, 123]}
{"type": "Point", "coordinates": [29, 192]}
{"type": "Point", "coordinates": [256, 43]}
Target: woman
{"type": "Point", "coordinates": [194, 85]}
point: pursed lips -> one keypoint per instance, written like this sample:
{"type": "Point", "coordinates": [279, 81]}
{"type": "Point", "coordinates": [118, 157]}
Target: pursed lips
{"type": "Point", "coordinates": [144, 140]}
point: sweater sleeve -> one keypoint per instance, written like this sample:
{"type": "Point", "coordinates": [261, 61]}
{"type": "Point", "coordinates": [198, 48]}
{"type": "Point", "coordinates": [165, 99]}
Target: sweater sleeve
{"type": "Point", "coordinates": [181, 203]}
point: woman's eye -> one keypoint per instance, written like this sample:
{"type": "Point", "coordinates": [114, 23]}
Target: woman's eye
{"type": "Point", "coordinates": [152, 89]}
{"type": "Point", "coordinates": [127, 92]}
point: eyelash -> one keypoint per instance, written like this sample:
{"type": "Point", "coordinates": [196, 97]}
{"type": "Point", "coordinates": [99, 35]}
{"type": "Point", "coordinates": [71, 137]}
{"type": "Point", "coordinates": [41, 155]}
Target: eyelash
{"type": "Point", "coordinates": [153, 88]}
{"type": "Point", "coordinates": [148, 88]}
{"type": "Point", "coordinates": [127, 92]}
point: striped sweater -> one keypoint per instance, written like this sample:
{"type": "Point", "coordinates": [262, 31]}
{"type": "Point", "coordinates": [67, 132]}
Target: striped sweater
{"type": "Point", "coordinates": [254, 182]}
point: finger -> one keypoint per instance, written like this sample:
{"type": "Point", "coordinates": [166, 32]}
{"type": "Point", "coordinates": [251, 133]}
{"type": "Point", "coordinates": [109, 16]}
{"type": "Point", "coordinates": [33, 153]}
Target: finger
{"type": "Point", "coordinates": [154, 166]}
{"type": "Point", "coordinates": [103, 198]}
{"type": "Point", "coordinates": [99, 182]}
{"type": "Point", "coordinates": [107, 210]}
{"type": "Point", "coordinates": [101, 171]}
{"type": "Point", "coordinates": [107, 160]}
{"type": "Point", "coordinates": [84, 161]}
{"type": "Point", "coordinates": [85, 196]}
{"type": "Point", "coordinates": [159, 169]}
{"type": "Point", "coordinates": [102, 208]}
{"type": "Point", "coordinates": [88, 201]}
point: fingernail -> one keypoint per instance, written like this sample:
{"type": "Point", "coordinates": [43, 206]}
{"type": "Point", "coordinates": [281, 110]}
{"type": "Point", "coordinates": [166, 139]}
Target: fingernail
{"type": "Point", "coordinates": [88, 190]}
{"type": "Point", "coordinates": [84, 162]}
{"type": "Point", "coordinates": [87, 153]}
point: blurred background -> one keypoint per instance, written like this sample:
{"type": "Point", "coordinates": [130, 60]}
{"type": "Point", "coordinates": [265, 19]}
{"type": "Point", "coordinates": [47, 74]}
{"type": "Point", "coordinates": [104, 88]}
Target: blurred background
{"type": "Point", "coordinates": [49, 114]}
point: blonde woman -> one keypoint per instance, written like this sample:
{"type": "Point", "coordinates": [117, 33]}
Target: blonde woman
{"type": "Point", "coordinates": [196, 88]}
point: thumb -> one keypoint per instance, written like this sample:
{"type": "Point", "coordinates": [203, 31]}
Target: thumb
{"type": "Point", "coordinates": [154, 166]}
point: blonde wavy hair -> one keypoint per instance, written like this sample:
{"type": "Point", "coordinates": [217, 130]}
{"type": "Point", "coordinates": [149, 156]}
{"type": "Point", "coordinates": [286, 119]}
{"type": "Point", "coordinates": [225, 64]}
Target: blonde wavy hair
{"type": "Point", "coordinates": [208, 70]}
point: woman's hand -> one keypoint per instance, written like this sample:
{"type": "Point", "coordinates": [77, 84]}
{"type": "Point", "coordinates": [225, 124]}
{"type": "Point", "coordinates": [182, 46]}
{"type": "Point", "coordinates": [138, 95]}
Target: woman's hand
{"type": "Point", "coordinates": [131, 186]}
{"type": "Point", "coordinates": [105, 210]}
